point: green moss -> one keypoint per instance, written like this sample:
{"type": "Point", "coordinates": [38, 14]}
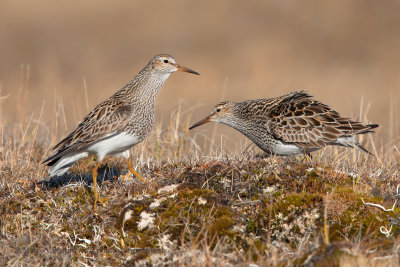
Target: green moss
{"type": "Point", "coordinates": [251, 227]}
{"type": "Point", "coordinates": [80, 196]}
{"type": "Point", "coordinates": [288, 202]}
{"type": "Point", "coordinates": [321, 256]}
{"type": "Point", "coordinates": [109, 242]}
{"type": "Point", "coordinates": [143, 240]}
{"type": "Point", "coordinates": [165, 215]}
{"type": "Point", "coordinates": [257, 249]}
{"type": "Point", "coordinates": [220, 226]}
{"type": "Point", "coordinates": [355, 217]}
{"type": "Point", "coordinates": [257, 171]}
{"type": "Point", "coordinates": [184, 209]}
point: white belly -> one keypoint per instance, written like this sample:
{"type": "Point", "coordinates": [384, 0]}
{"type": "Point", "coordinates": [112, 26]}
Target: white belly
{"type": "Point", "coordinates": [115, 144]}
{"type": "Point", "coordinates": [284, 149]}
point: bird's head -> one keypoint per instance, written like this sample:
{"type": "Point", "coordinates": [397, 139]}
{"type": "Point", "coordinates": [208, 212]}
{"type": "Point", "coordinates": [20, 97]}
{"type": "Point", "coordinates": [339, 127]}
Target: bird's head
{"type": "Point", "coordinates": [223, 112]}
{"type": "Point", "coordinates": [166, 64]}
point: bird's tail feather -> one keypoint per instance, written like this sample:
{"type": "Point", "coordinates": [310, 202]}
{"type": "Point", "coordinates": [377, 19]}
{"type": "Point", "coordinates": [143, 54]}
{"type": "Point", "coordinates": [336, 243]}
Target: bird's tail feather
{"type": "Point", "coordinates": [368, 130]}
{"type": "Point", "coordinates": [360, 147]}
{"type": "Point", "coordinates": [350, 141]}
{"type": "Point", "coordinates": [61, 165]}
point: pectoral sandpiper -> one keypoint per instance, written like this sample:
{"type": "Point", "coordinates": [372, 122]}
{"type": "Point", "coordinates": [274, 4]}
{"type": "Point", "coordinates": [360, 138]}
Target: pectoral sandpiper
{"type": "Point", "coordinates": [290, 124]}
{"type": "Point", "coordinates": [118, 123]}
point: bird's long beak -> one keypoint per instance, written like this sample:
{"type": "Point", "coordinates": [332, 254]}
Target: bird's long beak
{"type": "Point", "coordinates": [184, 69]}
{"type": "Point", "coordinates": [205, 120]}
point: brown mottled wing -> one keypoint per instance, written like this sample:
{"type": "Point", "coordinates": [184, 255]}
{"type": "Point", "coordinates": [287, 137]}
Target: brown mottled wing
{"type": "Point", "coordinates": [296, 118]}
{"type": "Point", "coordinates": [110, 116]}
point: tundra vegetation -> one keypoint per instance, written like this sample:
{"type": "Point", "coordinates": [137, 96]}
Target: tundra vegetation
{"type": "Point", "coordinates": [201, 207]}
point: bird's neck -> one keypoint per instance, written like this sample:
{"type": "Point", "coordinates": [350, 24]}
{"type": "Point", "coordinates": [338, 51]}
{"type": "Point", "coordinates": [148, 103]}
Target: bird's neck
{"type": "Point", "coordinates": [239, 123]}
{"type": "Point", "coordinates": [145, 86]}
{"type": "Point", "coordinates": [150, 85]}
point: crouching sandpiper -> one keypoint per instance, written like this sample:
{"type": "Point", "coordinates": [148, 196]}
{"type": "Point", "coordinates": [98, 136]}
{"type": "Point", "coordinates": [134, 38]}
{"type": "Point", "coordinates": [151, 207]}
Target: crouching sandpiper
{"type": "Point", "coordinates": [290, 124]}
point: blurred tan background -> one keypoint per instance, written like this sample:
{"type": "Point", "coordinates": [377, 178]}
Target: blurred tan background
{"type": "Point", "coordinates": [345, 53]}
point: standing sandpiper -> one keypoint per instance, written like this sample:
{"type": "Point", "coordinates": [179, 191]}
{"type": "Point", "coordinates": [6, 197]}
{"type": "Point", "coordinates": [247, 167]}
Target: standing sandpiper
{"type": "Point", "coordinates": [289, 124]}
{"type": "Point", "coordinates": [117, 124]}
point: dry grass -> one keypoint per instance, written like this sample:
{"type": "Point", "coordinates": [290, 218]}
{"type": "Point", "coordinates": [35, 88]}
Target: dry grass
{"type": "Point", "coordinates": [228, 207]}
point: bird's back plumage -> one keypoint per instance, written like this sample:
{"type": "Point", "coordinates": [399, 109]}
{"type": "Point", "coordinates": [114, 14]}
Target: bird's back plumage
{"type": "Point", "coordinates": [298, 119]}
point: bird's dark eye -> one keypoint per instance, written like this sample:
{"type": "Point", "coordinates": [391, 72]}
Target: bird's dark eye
{"type": "Point", "coordinates": [218, 109]}
{"type": "Point", "coordinates": [165, 60]}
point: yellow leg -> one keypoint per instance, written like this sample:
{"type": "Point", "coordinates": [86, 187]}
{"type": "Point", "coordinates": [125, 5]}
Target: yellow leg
{"type": "Point", "coordinates": [308, 157]}
{"type": "Point", "coordinates": [135, 173]}
{"type": "Point", "coordinates": [96, 194]}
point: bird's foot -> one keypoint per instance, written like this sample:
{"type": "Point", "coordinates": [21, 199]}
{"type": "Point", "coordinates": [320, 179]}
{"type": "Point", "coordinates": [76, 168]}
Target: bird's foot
{"type": "Point", "coordinates": [308, 157]}
{"type": "Point", "coordinates": [99, 200]}
{"type": "Point", "coordinates": [136, 174]}
{"type": "Point", "coordinates": [126, 177]}
{"type": "Point", "coordinates": [103, 200]}
{"type": "Point", "coordinates": [129, 177]}
{"type": "Point", "coordinates": [140, 177]}
{"type": "Point", "coordinates": [22, 181]}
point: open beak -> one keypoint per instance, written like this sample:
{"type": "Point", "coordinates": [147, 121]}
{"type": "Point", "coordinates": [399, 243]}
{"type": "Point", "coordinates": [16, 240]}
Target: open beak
{"type": "Point", "coordinates": [184, 69]}
{"type": "Point", "coordinates": [205, 120]}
